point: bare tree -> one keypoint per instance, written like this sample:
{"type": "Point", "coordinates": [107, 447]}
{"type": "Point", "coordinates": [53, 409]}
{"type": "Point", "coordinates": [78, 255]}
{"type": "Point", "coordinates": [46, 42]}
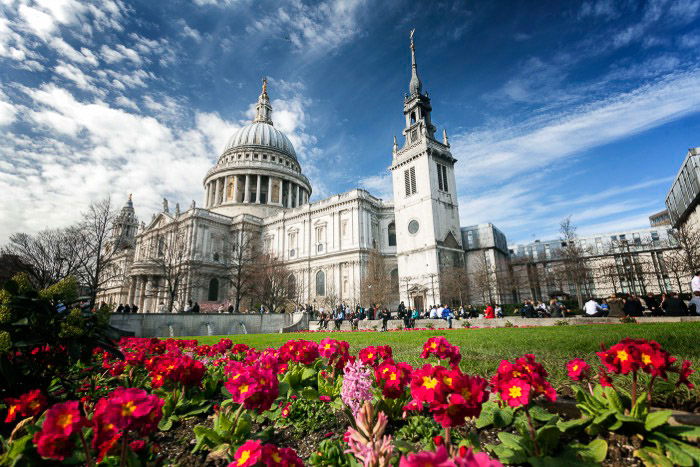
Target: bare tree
{"type": "Point", "coordinates": [454, 286]}
{"type": "Point", "coordinates": [92, 248]}
{"type": "Point", "coordinates": [374, 284]}
{"type": "Point", "coordinates": [573, 259]}
{"type": "Point", "coordinates": [687, 238]}
{"type": "Point", "coordinates": [168, 259]}
{"type": "Point", "coordinates": [483, 278]}
{"type": "Point", "coordinates": [47, 256]}
{"type": "Point", "coordinates": [244, 249]}
{"type": "Point", "coordinates": [273, 288]}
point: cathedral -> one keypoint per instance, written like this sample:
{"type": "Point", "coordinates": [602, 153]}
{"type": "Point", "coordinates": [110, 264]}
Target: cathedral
{"type": "Point", "coordinates": [258, 185]}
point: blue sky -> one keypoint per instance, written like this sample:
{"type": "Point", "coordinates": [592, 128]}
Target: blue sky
{"type": "Point", "coordinates": [552, 108]}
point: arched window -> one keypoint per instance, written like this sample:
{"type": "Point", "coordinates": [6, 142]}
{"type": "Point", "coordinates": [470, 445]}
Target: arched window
{"type": "Point", "coordinates": [413, 117]}
{"type": "Point", "coordinates": [394, 275]}
{"type": "Point", "coordinates": [213, 295]}
{"type": "Point", "coordinates": [391, 230]}
{"type": "Point", "coordinates": [320, 283]}
{"type": "Point", "coordinates": [291, 286]}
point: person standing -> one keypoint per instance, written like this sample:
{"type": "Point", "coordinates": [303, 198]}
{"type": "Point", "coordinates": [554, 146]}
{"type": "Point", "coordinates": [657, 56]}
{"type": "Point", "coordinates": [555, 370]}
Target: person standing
{"type": "Point", "coordinates": [695, 283]}
{"type": "Point", "coordinates": [674, 306]}
{"type": "Point", "coordinates": [694, 304]}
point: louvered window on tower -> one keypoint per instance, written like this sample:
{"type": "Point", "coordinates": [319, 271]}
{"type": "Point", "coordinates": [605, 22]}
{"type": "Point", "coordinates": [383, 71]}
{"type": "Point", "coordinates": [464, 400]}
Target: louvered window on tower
{"type": "Point", "coordinates": [409, 176]}
{"type": "Point", "coordinates": [442, 177]}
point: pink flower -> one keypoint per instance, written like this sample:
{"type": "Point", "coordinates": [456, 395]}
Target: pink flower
{"type": "Point", "coordinates": [439, 458]}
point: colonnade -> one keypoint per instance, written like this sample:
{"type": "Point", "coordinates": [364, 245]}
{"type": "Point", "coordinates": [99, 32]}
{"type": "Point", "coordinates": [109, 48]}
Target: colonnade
{"type": "Point", "coordinates": [255, 189]}
{"type": "Point", "coordinates": [145, 292]}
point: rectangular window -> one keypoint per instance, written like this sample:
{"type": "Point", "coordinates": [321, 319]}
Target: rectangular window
{"type": "Point", "coordinates": [409, 176]}
{"type": "Point", "coordinates": [442, 177]}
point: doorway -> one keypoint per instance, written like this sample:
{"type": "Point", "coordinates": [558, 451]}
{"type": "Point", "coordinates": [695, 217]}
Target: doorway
{"type": "Point", "coordinates": [418, 302]}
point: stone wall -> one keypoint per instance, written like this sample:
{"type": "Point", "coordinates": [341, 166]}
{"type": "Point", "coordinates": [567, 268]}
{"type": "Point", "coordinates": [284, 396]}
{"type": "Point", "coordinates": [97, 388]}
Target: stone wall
{"type": "Point", "coordinates": [500, 322]}
{"type": "Point", "coordinates": [206, 324]}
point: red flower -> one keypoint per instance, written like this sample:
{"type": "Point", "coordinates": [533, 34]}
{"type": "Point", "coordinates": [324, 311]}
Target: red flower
{"type": "Point", "coordinates": [299, 351]}
{"type": "Point", "coordinates": [286, 410]}
{"type": "Point", "coordinates": [439, 458]}
{"type": "Point", "coordinates": [29, 404]}
{"type": "Point", "coordinates": [393, 378]}
{"type": "Point", "coordinates": [469, 458]}
{"type": "Point", "coordinates": [250, 453]}
{"type": "Point", "coordinates": [324, 398]}
{"type": "Point", "coordinates": [683, 375]}
{"type": "Point", "coordinates": [64, 419]}
{"type": "Point", "coordinates": [604, 378]}
{"type": "Point", "coordinates": [515, 392]}
{"type": "Point", "coordinates": [442, 349]}
{"type": "Point", "coordinates": [427, 384]}
{"type": "Point", "coordinates": [254, 387]}
{"type": "Point", "coordinates": [578, 369]}
{"type": "Point", "coordinates": [53, 446]}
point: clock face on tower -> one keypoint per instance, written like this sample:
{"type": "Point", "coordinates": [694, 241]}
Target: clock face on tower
{"type": "Point", "coordinates": [413, 227]}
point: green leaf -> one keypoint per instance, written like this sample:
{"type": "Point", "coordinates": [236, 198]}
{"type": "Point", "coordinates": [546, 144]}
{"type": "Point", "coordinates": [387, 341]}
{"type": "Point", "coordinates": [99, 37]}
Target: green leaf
{"type": "Point", "coordinates": [548, 438]}
{"type": "Point", "coordinates": [653, 457]}
{"type": "Point", "coordinates": [508, 455]}
{"type": "Point", "coordinates": [614, 401]}
{"type": "Point", "coordinates": [541, 414]}
{"type": "Point", "coordinates": [596, 451]}
{"type": "Point", "coordinates": [641, 407]}
{"type": "Point", "coordinates": [307, 374]}
{"type": "Point", "coordinates": [656, 419]}
{"type": "Point", "coordinates": [165, 424]}
{"type": "Point", "coordinates": [309, 394]}
{"type": "Point", "coordinates": [602, 417]}
{"type": "Point", "coordinates": [512, 441]}
{"type": "Point", "coordinates": [681, 431]}
{"type": "Point", "coordinates": [573, 425]}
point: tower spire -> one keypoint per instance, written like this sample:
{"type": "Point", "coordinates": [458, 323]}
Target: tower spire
{"type": "Point", "coordinates": [263, 109]}
{"type": "Point", "coordinates": [415, 86]}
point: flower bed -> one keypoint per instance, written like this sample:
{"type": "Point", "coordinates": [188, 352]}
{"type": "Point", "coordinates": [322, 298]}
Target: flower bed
{"type": "Point", "coordinates": [309, 403]}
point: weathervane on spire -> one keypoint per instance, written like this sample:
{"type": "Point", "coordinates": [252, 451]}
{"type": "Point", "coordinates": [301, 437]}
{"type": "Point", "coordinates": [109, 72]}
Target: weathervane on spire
{"type": "Point", "coordinates": [413, 31]}
{"type": "Point", "coordinates": [264, 88]}
{"type": "Point", "coordinates": [415, 86]}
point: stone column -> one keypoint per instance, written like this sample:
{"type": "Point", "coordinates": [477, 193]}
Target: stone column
{"type": "Point", "coordinates": [289, 194]}
{"type": "Point", "coordinates": [298, 191]}
{"type": "Point", "coordinates": [142, 293]}
{"type": "Point", "coordinates": [235, 188]}
{"type": "Point", "coordinates": [269, 190]}
{"type": "Point", "coordinates": [257, 189]}
{"type": "Point", "coordinates": [220, 199]}
{"type": "Point", "coordinates": [246, 192]}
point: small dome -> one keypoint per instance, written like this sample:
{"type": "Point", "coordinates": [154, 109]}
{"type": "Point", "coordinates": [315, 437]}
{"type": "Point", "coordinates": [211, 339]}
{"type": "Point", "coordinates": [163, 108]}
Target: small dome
{"type": "Point", "coordinates": [264, 135]}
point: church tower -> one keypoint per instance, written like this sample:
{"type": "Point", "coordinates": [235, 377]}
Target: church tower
{"type": "Point", "coordinates": [125, 226]}
{"type": "Point", "coordinates": [426, 207]}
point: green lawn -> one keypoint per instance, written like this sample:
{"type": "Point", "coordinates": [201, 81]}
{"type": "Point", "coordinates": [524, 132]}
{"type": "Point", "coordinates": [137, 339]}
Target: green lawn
{"type": "Point", "coordinates": [483, 349]}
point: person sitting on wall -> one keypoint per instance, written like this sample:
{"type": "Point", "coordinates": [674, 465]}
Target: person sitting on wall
{"type": "Point", "coordinates": [653, 305]}
{"type": "Point", "coordinates": [694, 304]}
{"type": "Point", "coordinates": [120, 308]}
{"type": "Point", "coordinates": [593, 309]}
{"type": "Point", "coordinates": [415, 314]}
{"type": "Point", "coordinates": [134, 308]}
{"type": "Point", "coordinates": [674, 306]}
{"type": "Point", "coordinates": [633, 307]}
{"type": "Point", "coordinates": [386, 316]}
{"type": "Point", "coordinates": [188, 307]}
{"type": "Point", "coordinates": [195, 307]}
{"type": "Point", "coordinates": [161, 307]}
{"type": "Point", "coordinates": [489, 312]}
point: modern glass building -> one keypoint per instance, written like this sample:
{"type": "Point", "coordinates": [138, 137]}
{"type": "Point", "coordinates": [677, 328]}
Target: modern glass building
{"type": "Point", "coordinates": [684, 195]}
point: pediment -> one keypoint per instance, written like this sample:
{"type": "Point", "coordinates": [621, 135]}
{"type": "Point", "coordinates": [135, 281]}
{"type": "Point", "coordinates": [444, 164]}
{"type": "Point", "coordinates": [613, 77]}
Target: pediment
{"type": "Point", "coordinates": [451, 242]}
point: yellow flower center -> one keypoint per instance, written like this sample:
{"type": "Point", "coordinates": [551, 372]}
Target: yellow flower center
{"type": "Point", "coordinates": [128, 409]}
{"type": "Point", "coordinates": [574, 368]}
{"type": "Point", "coordinates": [276, 457]}
{"type": "Point", "coordinates": [622, 355]}
{"type": "Point", "coordinates": [433, 345]}
{"type": "Point", "coordinates": [245, 455]}
{"type": "Point", "coordinates": [392, 377]}
{"type": "Point", "coordinates": [646, 359]}
{"type": "Point", "coordinates": [370, 355]}
{"type": "Point", "coordinates": [447, 380]}
{"type": "Point", "coordinates": [515, 391]}
{"type": "Point", "coordinates": [64, 420]}
{"type": "Point", "coordinates": [244, 388]}
{"type": "Point", "coordinates": [429, 383]}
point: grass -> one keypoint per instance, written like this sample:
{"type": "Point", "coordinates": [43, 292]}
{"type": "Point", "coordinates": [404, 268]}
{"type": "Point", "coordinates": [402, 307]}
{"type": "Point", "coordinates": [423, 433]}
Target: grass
{"type": "Point", "coordinates": [483, 349]}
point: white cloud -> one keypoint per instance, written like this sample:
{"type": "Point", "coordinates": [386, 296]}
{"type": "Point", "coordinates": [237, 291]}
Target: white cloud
{"type": "Point", "coordinates": [536, 144]}
{"type": "Point", "coordinates": [76, 75]}
{"type": "Point", "coordinates": [7, 111]}
{"type": "Point", "coordinates": [84, 56]}
{"type": "Point", "coordinates": [313, 28]}
{"type": "Point", "coordinates": [119, 53]}
{"type": "Point", "coordinates": [379, 185]}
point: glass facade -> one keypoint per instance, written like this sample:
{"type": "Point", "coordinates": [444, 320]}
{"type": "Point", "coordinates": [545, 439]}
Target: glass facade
{"type": "Point", "coordinates": [685, 190]}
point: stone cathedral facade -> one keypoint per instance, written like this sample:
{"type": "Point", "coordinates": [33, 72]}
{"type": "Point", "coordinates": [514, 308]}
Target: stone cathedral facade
{"type": "Point", "coordinates": [258, 185]}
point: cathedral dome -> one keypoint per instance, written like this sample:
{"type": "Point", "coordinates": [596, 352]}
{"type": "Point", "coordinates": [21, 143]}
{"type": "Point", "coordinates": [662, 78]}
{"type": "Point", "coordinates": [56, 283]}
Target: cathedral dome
{"type": "Point", "coordinates": [261, 134]}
